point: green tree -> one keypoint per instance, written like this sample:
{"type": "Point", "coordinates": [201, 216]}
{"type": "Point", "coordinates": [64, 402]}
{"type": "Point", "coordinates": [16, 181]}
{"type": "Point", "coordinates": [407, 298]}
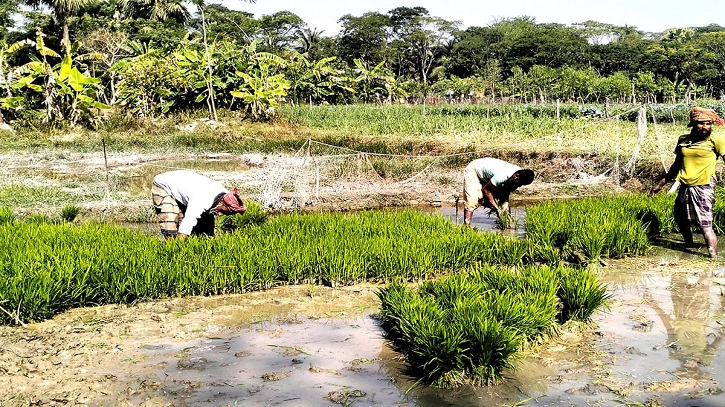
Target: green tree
{"type": "Point", "coordinates": [278, 32]}
{"type": "Point", "coordinates": [150, 83]}
{"type": "Point", "coordinates": [159, 10]}
{"type": "Point", "coordinates": [68, 93]}
{"type": "Point", "coordinates": [713, 46]}
{"type": "Point", "coordinates": [62, 11]}
{"type": "Point", "coordinates": [365, 38]}
{"type": "Point", "coordinates": [222, 23]}
{"type": "Point", "coordinates": [423, 42]}
{"type": "Point", "coordinates": [315, 81]}
{"type": "Point", "coordinates": [262, 90]}
{"type": "Point", "coordinates": [472, 50]}
{"type": "Point", "coordinates": [615, 87]}
{"type": "Point", "coordinates": [645, 87]}
{"type": "Point", "coordinates": [376, 83]}
{"type": "Point", "coordinates": [576, 84]}
{"type": "Point", "coordinates": [8, 9]}
{"type": "Point", "coordinates": [542, 79]}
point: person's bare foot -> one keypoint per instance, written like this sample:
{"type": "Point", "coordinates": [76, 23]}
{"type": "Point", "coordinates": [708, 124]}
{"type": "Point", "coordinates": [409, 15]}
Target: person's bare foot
{"type": "Point", "coordinates": [713, 253]}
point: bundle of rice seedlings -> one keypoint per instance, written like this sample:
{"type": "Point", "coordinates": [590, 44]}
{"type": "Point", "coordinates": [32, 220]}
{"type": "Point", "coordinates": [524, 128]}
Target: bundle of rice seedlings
{"type": "Point", "coordinates": [581, 294]}
{"type": "Point", "coordinates": [6, 215]}
{"type": "Point", "coordinates": [489, 313]}
{"type": "Point", "coordinates": [70, 212]}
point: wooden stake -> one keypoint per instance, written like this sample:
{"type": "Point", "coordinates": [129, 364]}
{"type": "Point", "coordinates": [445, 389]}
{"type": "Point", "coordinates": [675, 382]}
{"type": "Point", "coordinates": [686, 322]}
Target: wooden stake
{"type": "Point", "coordinates": [108, 183]}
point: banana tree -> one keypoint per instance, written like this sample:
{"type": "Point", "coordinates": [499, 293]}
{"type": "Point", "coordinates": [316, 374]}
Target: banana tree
{"type": "Point", "coordinates": [67, 93]}
{"type": "Point", "coordinates": [9, 76]}
{"type": "Point", "coordinates": [315, 80]}
{"type": "Point", "coordinates": [261, 90]}
{"type": "Point", "coordinates": [377, 81]}
{"type": "Point", "coordinates": [262, 93]}
{"type": "Point", "coordinates": [211, 87]}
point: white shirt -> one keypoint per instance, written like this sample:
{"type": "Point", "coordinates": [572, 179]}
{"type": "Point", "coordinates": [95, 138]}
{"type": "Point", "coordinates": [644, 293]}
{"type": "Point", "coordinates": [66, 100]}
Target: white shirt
{"type": "Point", "coordinates": [494, 170]}
{"type": "Point", "coordinates": [192, 190]}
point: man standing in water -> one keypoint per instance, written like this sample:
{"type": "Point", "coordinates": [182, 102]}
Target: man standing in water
{"type": "Point", "coordinates": [186, 203]}
{"type": "Point", "coordinates": [489, 182]}
{"type": "Point", "coordinates": [696, 154]}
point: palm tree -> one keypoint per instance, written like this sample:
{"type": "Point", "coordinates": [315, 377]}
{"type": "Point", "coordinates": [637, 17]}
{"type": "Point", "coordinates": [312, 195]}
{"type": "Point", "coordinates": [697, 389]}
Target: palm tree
{"type": "Point", "coordinates": [160, 10]}
{"type": "Point", "coordinates": [309, 38]}
{"type": "Point", "coordinates": [62, 10]}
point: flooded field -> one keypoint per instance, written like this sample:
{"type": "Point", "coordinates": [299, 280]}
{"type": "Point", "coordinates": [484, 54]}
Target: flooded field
{"type": "Point", "coordinates": [659, 342]}
{"type": "Point", "coordinates": [659, 345]}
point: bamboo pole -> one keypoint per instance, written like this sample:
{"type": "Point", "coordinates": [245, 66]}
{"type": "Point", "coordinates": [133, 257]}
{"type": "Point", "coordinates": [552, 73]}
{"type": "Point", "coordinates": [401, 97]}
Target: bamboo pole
{"type": "Point", "coordinates": [108, 183]}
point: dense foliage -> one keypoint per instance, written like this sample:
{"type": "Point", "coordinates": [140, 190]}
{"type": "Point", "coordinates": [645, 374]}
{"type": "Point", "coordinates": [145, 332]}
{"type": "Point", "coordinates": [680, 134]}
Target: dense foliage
{"type": "Point", "coordinates": [70, 61]}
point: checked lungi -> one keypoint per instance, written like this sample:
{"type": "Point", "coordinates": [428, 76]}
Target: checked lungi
{"type": "Point", "coordinates": [169, 214]}
{"type": "Point", "coordinates": [695, 204]}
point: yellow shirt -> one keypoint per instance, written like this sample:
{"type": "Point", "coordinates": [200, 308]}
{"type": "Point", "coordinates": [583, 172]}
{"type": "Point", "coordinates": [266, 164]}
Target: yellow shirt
{"type": "Point", "coordinates": [699, 158]}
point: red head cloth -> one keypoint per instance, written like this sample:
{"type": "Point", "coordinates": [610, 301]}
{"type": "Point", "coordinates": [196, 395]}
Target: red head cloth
{"type": "Point", "coordinates": [234, 202]}
{"type": "Point", "coordinates": [700, 114]}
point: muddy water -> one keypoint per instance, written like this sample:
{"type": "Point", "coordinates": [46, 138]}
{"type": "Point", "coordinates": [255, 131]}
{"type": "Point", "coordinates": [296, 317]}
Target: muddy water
{"type": "Point", "coordinates": [307, 362]}
{"type": "Point", "coordinates": [482, 219]}
{"type": "Point", "coordinates": [659, 344]}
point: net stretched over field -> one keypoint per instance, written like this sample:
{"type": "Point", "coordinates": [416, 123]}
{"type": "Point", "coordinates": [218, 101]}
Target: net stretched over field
{"type": "Point", "coordinates": [318, 169]}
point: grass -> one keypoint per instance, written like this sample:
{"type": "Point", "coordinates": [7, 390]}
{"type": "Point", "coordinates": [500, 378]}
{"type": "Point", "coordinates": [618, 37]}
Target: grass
{"type": "Point", "coordinates": [31, 196]}
{"type": "Point", "coordinates": [375, 129]}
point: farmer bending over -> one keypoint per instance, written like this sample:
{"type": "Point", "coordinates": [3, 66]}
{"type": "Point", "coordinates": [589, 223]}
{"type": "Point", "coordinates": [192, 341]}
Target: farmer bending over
{"type": "Point", "coordinates": [489, 182]}
{"type": "Point", "coordinates": [696, 154]}
{"type": "Point", "coordinates": [186, 203]}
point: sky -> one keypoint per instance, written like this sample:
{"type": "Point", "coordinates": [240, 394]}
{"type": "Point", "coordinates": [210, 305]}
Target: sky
{"type": "Point", "coordinates": [645, 15]}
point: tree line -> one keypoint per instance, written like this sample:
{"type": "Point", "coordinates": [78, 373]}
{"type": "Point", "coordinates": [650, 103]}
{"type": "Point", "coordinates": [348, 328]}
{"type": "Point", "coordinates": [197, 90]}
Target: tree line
{"type": "Point", "coordinates": [67, 60]}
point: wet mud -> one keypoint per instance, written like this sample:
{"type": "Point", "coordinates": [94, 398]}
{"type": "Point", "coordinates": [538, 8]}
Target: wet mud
{"type": "Point", "coordinates": [658, 345]}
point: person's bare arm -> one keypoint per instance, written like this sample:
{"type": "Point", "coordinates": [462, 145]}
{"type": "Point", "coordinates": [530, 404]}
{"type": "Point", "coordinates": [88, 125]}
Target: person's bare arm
{"type": "Point", "coordinates": [488, 190]}
{"type": "Point", "coordinates": [669, 176]}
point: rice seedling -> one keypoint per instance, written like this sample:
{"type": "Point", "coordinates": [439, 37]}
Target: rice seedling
{"type": "Point", "coordinates": [70, 212]}
{"type": "Point", "coordinates": [122, 265]}
{"type": "Point", "coordinates": [505, 220]}
{"type": "Point", "coordinates": [38, 218]}
{"type": "Point", "coordinates": [591, 228]}
{"type": "Point", "coordinates": [6, 215]}
{"type": "Point", "coordinates": [581, 294]}
{"type": "Point", "coordinates": [466, 329]}
{"type": "Point", "coordinates": [254, 215]}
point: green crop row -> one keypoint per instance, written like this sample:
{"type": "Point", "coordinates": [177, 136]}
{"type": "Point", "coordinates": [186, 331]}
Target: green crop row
{"type": "Point", "coordinates": [590, 228]}
{"type": "Point", "coordinates": [47, 267]}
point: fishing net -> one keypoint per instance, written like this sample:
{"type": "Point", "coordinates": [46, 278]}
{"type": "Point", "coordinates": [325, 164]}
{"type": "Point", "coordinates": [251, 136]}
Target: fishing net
{"type": "Point", "coordinates": [318, 171]}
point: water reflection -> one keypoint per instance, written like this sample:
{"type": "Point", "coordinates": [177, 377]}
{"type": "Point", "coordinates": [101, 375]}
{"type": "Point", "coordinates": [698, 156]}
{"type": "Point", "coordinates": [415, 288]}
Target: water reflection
{"type": "Point", "coordinates": [482, 219]}
{"type": "Point", "coordinates": [693, 332]}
